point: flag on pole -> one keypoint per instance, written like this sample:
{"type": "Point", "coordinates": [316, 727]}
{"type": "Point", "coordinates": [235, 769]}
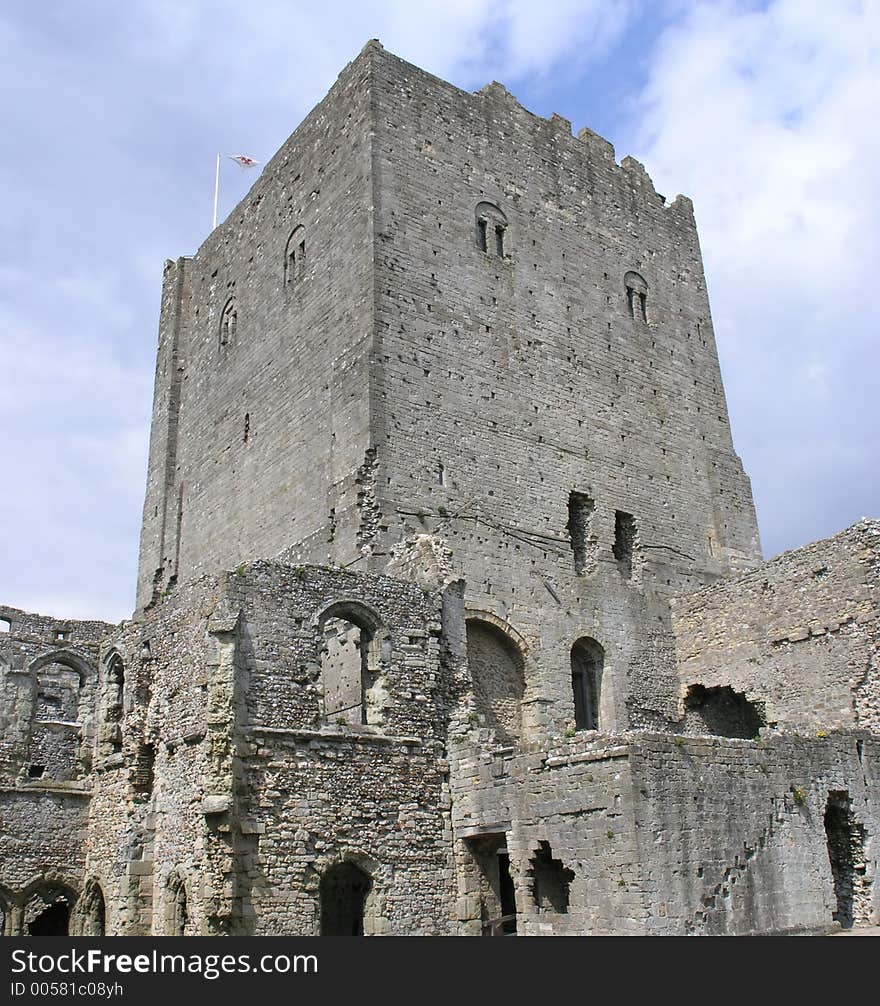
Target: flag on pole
{"type": "Point", "coordinates": [243, 161]}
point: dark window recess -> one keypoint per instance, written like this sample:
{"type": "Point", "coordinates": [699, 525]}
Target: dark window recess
{"type": "Point", "coordinates": [36, 771]}
{"type": "Point", "coordinates": [499, 240]}
{"type": "Point", "coordinates": [295, 257]}
{"type": "Point", "coordinates": [482, 242]}
{"type": "Point", "coordinates": [551, 881]}
{"type": "Point", "coordinates": [624, 542]}
{"type": "Point", "coordinates": [580, 514]}
{"type": "Point", "coordinates": [587, 664]}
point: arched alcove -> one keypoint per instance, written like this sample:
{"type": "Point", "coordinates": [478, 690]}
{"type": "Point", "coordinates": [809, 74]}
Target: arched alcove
{"type": "Point", "coordinates": [587, 665]}
{"type": "Point", "coordinates": [497, 668]}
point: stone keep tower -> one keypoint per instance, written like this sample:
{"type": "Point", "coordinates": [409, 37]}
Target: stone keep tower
{"type": "Point", "coordinates": [436, 312]}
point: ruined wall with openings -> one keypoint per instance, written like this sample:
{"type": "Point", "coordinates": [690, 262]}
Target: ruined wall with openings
{"type": "Point", "coordinates": [49, 712]}
{"type": "Point", "coordinates": [798, 635]}
{"type": "Point", "coordinates": [653, 834]}
{"type": "Point", "coordinates": [372, 794]}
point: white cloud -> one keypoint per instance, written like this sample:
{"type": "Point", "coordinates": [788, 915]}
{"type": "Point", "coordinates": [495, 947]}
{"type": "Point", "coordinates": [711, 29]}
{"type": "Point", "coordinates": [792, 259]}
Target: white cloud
{"type": "Point", "coordinates": [766, 117]}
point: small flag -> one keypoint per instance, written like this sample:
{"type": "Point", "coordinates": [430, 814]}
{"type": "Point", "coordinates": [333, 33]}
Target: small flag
{"type": "Point", "coordinates": [242, 160]}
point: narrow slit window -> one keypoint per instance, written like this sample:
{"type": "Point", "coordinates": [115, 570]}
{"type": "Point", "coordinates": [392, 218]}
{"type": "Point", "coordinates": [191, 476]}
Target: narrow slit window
{"type": "Point", "coordinates": [482, 227]}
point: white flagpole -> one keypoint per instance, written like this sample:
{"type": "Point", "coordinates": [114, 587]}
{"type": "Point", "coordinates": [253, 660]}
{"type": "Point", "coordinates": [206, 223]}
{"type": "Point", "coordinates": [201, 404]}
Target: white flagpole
{"type": "Point", "coordinates": [216, 191]}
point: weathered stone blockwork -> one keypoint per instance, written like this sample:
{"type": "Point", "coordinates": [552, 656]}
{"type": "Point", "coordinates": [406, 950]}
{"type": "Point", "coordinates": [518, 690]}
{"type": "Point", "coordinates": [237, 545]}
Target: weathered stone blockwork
{"type": "Point", "coordinates": [800, 634]}
{"type": "Point", "coordinates": [451, 613]}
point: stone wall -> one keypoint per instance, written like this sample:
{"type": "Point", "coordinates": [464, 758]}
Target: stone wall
{"type": "Point", "coordinates": [665, 835]}
{"type": "Point", "coordinates": [49, 698]}
{"type": "Point", "coordinates": [799, 635]}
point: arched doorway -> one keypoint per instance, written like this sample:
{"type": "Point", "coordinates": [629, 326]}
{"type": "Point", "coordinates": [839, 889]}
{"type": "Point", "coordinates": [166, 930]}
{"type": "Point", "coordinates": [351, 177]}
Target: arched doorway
{"type": "Point", "coordinates": [344, 890]}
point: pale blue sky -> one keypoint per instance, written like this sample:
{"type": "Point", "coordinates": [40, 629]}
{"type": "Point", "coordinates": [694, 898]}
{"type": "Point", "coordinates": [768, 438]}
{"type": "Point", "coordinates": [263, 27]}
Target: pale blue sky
{"type": "Point", "coordinates": [763, 113]}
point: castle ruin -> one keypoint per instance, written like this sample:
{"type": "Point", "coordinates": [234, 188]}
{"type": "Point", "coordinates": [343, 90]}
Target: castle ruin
{"type": "Point", "coordinates": [451, 616]}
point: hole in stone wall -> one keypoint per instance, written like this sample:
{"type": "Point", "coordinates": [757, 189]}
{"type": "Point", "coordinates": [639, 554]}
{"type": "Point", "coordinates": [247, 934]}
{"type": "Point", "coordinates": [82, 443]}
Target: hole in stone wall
{"type": "Point", "coordinates": [247, 426]}
{"type": "Point", "coordinates": [551, 880]}
{"type": "Point", "coordinates": [498, 673]}
{"type": "Point", "coordinates": [624, 542]}
{"type": "Point", "coordinates": [723, 712]}
{"type": "Point", "coordinates": [494, 884]}
{"type": "Point", "coordinates": [584, 548]}
{"type": "Point", "coordinates": [47, 913]}
{"type": "Point", "coordinates": [344, 890]}
{"type": "Point", "coordinates": [587, 664]}
{"type": "Point", "coordinates": [5, 625]}
{"type": "Point", "coordinates": [845, 837]}
{"type": "Point", "coordinates": [36, 771]}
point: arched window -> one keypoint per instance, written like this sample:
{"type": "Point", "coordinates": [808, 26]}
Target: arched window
{"type": "Point", "coordinates": [344, 890]}
{"type": "Point", "coordinates": [228, 324]}
{"type": "Point", "coordinates": [491, 229]}
{"type": "Point", "coordinates": [497, 670]}
{"type": "Point", "coordinates": [56, 749]}
{"type": "Point", "coordinates": [352, 665]}
{"type": "Point", "coordinates": [587, 662]}
{"type": "Point", "coordinates": [111, 734]}
{"type": "Point", "coordinates": [636, 296]}
{"type": "Point", "coordinates": [295, 256]}
{"type": "Point", "coordinates": [93, 910]}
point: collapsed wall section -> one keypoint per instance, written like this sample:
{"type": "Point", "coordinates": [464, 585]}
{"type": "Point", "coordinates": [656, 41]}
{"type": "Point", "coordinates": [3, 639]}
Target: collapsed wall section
{"type": "Point", "coordinates": [799, 635]}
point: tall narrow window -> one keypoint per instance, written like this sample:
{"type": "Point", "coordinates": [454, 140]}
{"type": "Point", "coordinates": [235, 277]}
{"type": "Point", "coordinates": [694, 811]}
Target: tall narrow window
{"type": "Point", "coordinates": [636, 296]}
{"type": "Point", "coordinates": [228, 324]}
{"type": "Point", "coordinates": [587, 664]}
{"type": "Point", "coordinates": [624, 542]}
{"type": "Point", "coordinates": [113, 705]}
{"type": "Point", "coordinates": [295, 257]}
{"type": "Point", "coordinates": [482, 242]}
{"type": "Point", "coordinates": [499, 240]}
{"type": "Point", "coordinates": [583, 545]}
{"type": "Point", "coordinates": [491, 230]}
{"type": "Point", "coordinates": [351, 666]}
